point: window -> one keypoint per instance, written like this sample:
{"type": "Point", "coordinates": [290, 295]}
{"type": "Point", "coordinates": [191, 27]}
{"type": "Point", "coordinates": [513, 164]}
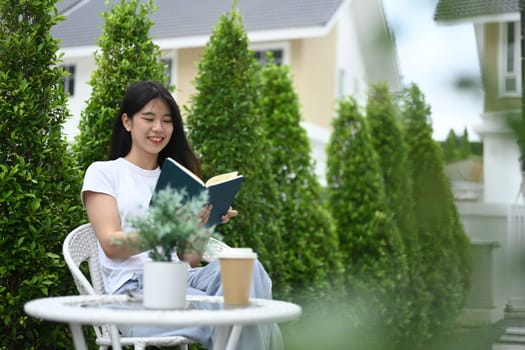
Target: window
{"type": "Point", "coordinates": [342, 83]}
{"type": "Point", "coordinates": [167, 70]}
{"type": "Point", "coordinates": [510, 58]}
{"type": "Point", "coordinates": [260, 56]}
{"type": "Point", "coordinates": [69, 79]}
{"type": "Point", "coordinates": [279, 50]}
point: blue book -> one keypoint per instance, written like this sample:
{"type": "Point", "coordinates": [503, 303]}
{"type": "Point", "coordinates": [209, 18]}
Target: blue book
{"type": "Point", "coordinates": [221, 188]}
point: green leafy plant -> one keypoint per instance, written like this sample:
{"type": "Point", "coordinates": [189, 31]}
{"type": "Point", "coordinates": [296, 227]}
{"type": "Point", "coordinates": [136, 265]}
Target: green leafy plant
{"type": "Point", "coordinates": [517, 125]}
{"type": "Point", "coordinates": [305, 217]}
{"type": "Point", "coordinates": [388, 140]}
{"type": "Point", "coordinates": [171, 224]}
{"type": "Point", "coordinates": [225, 130]}
{"type": "Point", "coordinates": [373, 252]}
{"type": "Point", "coordinates": [442, 241]}
{"type": "Point", "coordinates": [39, 180]}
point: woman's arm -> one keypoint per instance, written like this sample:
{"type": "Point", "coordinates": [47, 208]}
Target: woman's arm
{"type": "Point", "coordinates": [103, 215]}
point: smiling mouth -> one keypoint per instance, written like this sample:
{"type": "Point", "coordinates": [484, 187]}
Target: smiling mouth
{"type": "Point", "coordinates": [156, 139]}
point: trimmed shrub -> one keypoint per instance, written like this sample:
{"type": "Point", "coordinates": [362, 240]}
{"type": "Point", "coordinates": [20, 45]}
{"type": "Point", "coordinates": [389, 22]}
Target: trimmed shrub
{"type": "Point", "coordinates": [442, 241]}
{"type": "Point", "coordinates": [373, 252]}
{"type": "Point", "coordinates": [389, 142]}
{"type": "Point", "coordinates": [314, 264]}
{"type": "Point", "coordinates": [225, 129]}
{"type": "Point", "coordinates": [128, 54]}
{"type": "Point", "coordinates": [39, 181]}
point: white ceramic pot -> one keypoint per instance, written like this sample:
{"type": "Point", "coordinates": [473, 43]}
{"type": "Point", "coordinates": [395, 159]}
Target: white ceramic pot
{"type": "Point", "coordinates": [165, 285]}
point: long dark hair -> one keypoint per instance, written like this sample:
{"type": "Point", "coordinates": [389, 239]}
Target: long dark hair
{"type": "Point", "coordinates": [135, 98]}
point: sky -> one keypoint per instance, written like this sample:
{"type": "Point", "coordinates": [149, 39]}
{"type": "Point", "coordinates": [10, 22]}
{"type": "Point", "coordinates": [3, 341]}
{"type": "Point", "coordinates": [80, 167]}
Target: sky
{"type": "Point", "coordinates": [436, 57]}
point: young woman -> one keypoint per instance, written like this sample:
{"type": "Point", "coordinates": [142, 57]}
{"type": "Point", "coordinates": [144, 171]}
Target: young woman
{"type": "Point", "coordinates": [147, 129]}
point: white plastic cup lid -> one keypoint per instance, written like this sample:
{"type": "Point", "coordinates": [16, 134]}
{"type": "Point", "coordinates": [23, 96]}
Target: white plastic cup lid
{"type": "Point", "coordinates": [237, 253]}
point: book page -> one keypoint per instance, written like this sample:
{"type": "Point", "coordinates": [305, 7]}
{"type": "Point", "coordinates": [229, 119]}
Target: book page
{"type": "Point", "coordinates": [221, 178]}
{"type": "Point", "coordinates": [186, 170]}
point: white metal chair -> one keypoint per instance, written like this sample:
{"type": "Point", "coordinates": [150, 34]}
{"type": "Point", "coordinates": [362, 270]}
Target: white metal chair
{"type": "Point", "coordinates": [80, 246]}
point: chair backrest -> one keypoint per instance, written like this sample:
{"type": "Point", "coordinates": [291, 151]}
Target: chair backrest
{"type": "Point", "coordinates": [81, 246]}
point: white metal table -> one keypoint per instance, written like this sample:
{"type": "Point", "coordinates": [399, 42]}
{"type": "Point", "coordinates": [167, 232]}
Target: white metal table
{"type": "Point", "coordinates": [121, 309]}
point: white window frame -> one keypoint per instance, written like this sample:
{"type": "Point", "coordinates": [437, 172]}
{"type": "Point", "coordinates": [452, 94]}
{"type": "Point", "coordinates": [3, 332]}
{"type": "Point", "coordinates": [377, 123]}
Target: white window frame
{"type": "Point", "coordinates": [172, 57]}
{"type": "Point", "coordinates": [68, 82]}
{"type": "Point", "coordinates": [512, 70]}
{"type": "Point", "coordinates": [276, 46]}
{"type": "Point", "coordinates": [168, 61]}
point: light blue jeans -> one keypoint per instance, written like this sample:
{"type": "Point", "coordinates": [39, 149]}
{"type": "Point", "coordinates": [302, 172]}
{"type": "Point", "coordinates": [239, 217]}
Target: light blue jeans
{"type": "Point", "coordinates": [207, 281]}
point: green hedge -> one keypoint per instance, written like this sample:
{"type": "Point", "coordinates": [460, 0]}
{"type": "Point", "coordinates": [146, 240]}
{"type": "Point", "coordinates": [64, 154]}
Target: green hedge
{"type": "Point", "coordinates": [442, 242]}
{"type": "Point", "coordinates": [225, 129]}
{"type": "Point", "coordinates": [373, 252]}
{"type": "Point", "coordinates": [39, 181]}
{"type": "Point", "coordinates": [308, 225]}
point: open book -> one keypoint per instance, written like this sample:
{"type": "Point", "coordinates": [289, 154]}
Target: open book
{"type": "Point", "coordinates": [221, 188]}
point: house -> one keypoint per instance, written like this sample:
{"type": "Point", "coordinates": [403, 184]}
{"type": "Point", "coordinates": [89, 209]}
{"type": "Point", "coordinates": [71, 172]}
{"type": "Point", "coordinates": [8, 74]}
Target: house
{"type": "Point", "coordinates": [497, 30]}
{"type": "Point", "coordinates": [333, 47]}
{"type": "Point", "coordinates": [495, 225]}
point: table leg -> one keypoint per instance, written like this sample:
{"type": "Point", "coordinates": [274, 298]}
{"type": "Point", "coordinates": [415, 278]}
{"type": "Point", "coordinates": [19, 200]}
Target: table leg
{"type": "Point", "coordinates": [78, 336]}
{"type": "Point", "coordinates": [234, 337]}
{"type": "Point", "coordinates": [221, 337]}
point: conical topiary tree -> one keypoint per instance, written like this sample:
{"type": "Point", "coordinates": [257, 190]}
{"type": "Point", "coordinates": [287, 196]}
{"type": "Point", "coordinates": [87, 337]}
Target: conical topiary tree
{"type": "Point", "coordinates": [465, 149]}
{"type": "Point", "coordinates": [226, 131]}
{"type": "Point", "coordinates": [450, 147]}
{"type": "Point", "coordinates": [389, 142]}
{"type": "Point", "coordinates": [447, 262]}
{"type": "Point", "coordinates": [127, 54]}
{"type": "Point", "coordinates": [374, 257]}
{"type": "Point", "coordinates": [39, 180]}
{"type": "Point", "coordinates": [314, 265]}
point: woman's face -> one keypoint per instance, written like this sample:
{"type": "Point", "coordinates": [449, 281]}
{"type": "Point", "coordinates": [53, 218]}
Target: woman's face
{"type": "Point", "coordinates": [151, 128]}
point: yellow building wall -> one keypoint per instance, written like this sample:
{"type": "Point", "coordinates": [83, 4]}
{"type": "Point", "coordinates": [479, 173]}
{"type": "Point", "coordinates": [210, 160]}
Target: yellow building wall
{"type": "Point", "coordinates": [187, 60]}
{"type": "Point", "coordinates": [313, 71]}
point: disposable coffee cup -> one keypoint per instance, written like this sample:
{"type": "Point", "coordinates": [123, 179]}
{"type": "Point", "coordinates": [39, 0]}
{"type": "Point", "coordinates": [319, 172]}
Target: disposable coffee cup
{"type": "Point", "coordinates": [236, 275]}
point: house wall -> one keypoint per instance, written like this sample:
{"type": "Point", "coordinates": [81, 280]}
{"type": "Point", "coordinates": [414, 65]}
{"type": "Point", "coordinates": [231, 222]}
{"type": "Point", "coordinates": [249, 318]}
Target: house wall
{"type": "Point", "coordinates": [313, 85]}
{"type": "Point", "coordinates": [314, 77]}
{"type": "Point", "coordinates": [186, 72]}
{"type": "Point", "coordinates": [351, 70]}
{"type": "Point", "coordinates": [487, 223]}
{"type": "Point", "coordinates": [502, 176]}
{"type": "Point", "coordinates": [501, 171]}
{"type": "Point", "coordinates": [83, 66]}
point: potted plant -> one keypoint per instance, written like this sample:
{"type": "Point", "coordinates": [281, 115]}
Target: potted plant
{"type": "Point", "coordinates": [171, 225]}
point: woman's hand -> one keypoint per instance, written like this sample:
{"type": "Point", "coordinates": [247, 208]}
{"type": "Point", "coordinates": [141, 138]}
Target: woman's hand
{"type": "Point", "coordinates": [230, 214]}
{"type": "Point", "coordinates": [193, 259]}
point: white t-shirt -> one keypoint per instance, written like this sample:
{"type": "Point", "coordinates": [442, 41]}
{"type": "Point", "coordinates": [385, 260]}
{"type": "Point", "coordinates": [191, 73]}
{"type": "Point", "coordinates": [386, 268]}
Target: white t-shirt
{"type": "Point", "coordinates": [132, 187]}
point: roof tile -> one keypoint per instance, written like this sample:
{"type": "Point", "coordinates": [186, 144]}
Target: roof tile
{"type": "Point", "coordinates": [183, 18]}
{"type": "Point", "coordinates": [451, 10]}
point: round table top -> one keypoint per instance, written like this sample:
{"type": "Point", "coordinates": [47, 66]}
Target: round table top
{"type": "Point", "coordinates": [121, 309]}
